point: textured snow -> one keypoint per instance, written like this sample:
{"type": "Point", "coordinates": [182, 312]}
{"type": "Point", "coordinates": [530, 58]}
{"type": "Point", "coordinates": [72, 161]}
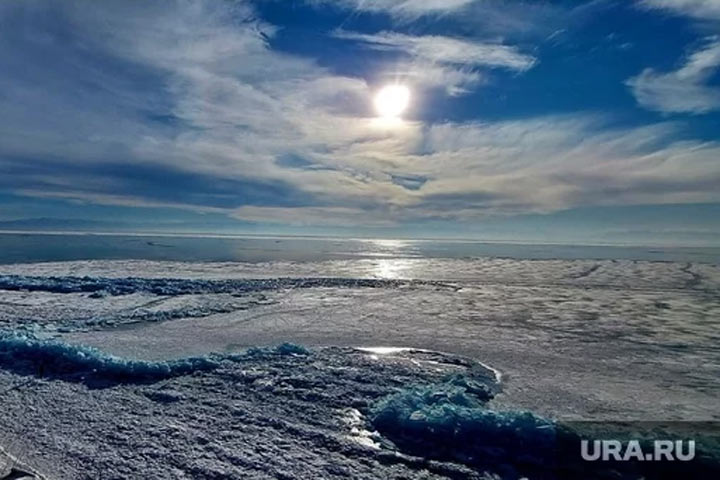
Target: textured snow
{"type": "Point", "coordinates": [573, 339]}
{"type": "Point", "coordinates": [266, 413]}
{"type": "Point", "coordinates": [636, 339]}
{"type": "Point", "coordinates": [71, 303]}
{"type": "Point", "coordinates": [609, 273]}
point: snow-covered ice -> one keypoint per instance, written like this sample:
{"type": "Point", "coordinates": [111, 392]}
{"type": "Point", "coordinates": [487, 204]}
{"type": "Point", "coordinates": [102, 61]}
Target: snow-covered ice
{"type": "Point", "coordinates": [570, 339]}
{"type": "Point", "coordinates": [608, 327]}
{"type": "Point", "coordinates": [264, 413]}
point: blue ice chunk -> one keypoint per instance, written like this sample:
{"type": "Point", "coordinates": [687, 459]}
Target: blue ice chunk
{"type": "Point", "coordinates": [98, 286]}
{"type": "Point", "coordinates": [451, 420]}
{"type": "Point", "coordinates": [26, 354]}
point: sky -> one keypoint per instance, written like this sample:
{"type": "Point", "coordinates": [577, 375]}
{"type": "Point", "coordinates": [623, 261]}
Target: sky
{"type": "Point", "coordinates": [563, 121]}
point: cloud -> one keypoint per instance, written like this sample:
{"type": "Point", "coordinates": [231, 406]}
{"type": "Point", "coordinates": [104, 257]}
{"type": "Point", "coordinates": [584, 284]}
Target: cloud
{"type": "Point", "coordinates": [684, 90]}
{"type": "Point", "coordinates": [314, 216]}
{"type": "Point", "coordinates": [234, 105]}
{"type": "Point", "coordinates": [552, 163]}
{"type": "Point", "coordinates": [700, 9]}
{"type": "Point", "coordinates": [440, 49]}
{"type": "Point", "coordinates": [407, 9]}
{"type": "Point", "coordinates": [475, 170]}
{"type": "Point", "coordinates": [135, 103]}
{"type": "Point", "coordinates": [440, 61]}
{"type": "Point", "coordinates": [486, 18]}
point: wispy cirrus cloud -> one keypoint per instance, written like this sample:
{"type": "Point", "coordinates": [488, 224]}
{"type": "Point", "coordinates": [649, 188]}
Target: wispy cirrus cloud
{"type": "Point", "coordinates": [190, 107]}
{"type": "Point", "coordinates": [473, 170]}
{"type": "Point", "coordinates": [399, 8]}
{"type": "Point", "coordinates": [441, 49]}
{"type": "Point", "coordinates": [485, 18]}
{"type": "Point", "coordinates": [444, 61]}
{"type": "Point", "coordinates": [684, 90]}
{"type": "Point", "coordinates": [700, 9]}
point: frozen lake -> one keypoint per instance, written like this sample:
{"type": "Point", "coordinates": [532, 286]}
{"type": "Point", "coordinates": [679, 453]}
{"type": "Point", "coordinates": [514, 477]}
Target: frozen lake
{"type": "Point", "coordinates": [575, 338]}
{"type": "Point", "coordinates": [564, 338]}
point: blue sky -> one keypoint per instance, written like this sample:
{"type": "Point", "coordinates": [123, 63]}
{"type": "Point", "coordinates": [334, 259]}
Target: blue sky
{"type": "Point", "coordinates": [540, 121]}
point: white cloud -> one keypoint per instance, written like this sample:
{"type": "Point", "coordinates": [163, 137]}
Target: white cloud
{"type": "Point", "coordinates": [238, 106]}
{"type": "Point", "coordinates": [700, 9]}
{"type": "Point", "coordinates": [399, 8]}
{"type": "Point", "coordinates": [440, 49]}
{"type": "Point", "coordinates": [440, 61]}
{"type": "Point", "coordinates": [315, 216]}
{"type": "Point", "coordinates": [488, 18]}
{"type": "Point", "coordinates": [683, 90]}
{"type": "Point", "coordinates": [551, 163]}
{"type": "Point", "coordinates": [454, 80]}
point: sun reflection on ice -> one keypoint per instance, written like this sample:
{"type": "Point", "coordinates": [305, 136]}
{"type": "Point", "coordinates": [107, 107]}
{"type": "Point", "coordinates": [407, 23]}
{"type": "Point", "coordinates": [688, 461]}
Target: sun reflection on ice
{"type": "Point", "coordinates": [393, 259]}
{"type": "Point", "coordinates": [394, 268]}
{"type": "Point", "coordinates": [390, 244]}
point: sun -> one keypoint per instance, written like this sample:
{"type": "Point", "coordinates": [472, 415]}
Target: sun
{"type": "Point", "coordinates": [392, 100]}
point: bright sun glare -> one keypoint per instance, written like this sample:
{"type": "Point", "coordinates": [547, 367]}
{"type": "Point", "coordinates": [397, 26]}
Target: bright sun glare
{"type": "Point", "coordinates": [392, 101]}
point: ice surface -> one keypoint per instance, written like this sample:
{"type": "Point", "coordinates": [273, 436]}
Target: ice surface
{"type": "Point", "coordinates": [266, 413]}
{"type": "Point", "coordinates": [269, 413]}
{"type": "Point", "coordinates": [451, 420]}
{"type": "Point", "coordinates": [576, 339]}
{"type": "Point", "coordinates": [72, 303]}
{"type": "Point", "coordinates": [608, 273]}
{"type": "Point", "coordinates": [99, 286]}
{"type": "Point", "coordinates": [28, 355]}
{"type": "Point", "coordinates": [581, 338]}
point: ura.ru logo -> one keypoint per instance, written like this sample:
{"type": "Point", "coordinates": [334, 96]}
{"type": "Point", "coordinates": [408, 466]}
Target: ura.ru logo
{"type": "Point", "coordinates": [633, 450]}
